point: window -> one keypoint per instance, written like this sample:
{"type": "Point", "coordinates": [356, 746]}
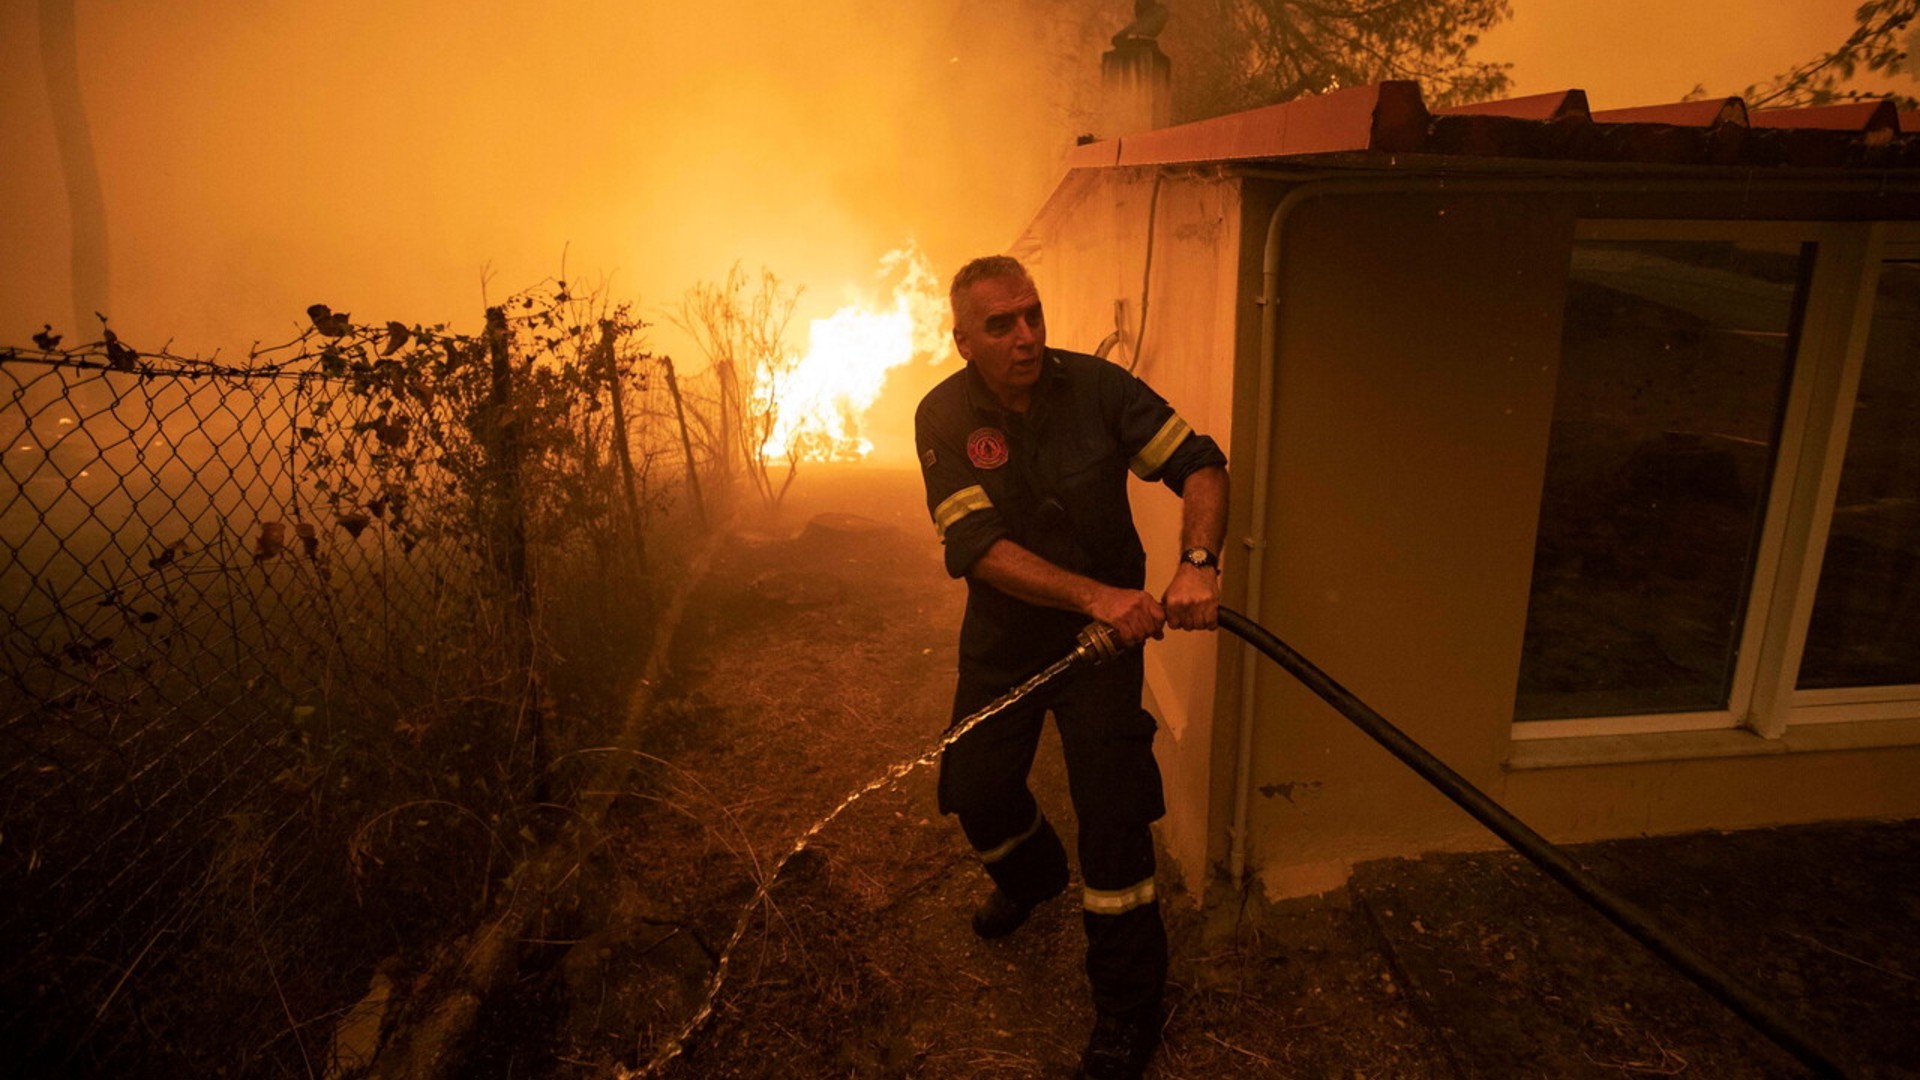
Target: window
{"type": "Point", "coordinates": [1865, 628]}
{"type": "Point", "coordinates": [1675, 361]}
{"type": "Point", "coordinates": [1730, 523]}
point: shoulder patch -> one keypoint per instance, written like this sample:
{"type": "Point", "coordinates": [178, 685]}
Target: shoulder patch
{"type": "Point", "coordinates": [928, 459]}
{"type": "Point", "coordinates": [987, 448]}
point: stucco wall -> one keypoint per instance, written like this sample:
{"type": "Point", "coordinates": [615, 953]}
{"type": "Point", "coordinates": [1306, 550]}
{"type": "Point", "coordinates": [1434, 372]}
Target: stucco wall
{"type": "Point", "coordinates": [1413, 398]}
{"type": "Point", "coordinates": [1089, 250]}
{"type": "Point", "coordinates": [1603, 801]}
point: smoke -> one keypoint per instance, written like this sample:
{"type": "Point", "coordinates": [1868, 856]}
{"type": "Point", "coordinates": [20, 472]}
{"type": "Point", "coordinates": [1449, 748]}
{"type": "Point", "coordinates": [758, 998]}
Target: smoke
{"type": "Point", "coordinates": [386, 159]}
{"type": "Point", "coordinates": [400, 160]}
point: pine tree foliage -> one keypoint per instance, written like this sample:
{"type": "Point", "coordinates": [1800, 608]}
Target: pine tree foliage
{"type": "Point", "coordinates": [1239, 54]}
{"type": "Point", "coordinates": [1882, 38]}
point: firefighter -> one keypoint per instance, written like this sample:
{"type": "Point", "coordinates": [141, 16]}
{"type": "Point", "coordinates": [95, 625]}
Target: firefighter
{"type": "Point", "coordinates": [1025, 455]}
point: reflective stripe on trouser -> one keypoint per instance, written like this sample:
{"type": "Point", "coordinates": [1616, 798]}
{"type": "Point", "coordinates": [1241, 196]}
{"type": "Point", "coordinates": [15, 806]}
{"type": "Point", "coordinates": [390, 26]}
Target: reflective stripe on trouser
{"type": "Point", "coordinates": [1126, 941]}
{"type": "Point", "coordinates": [1030, 865]}
{"type": "Point", "coordinates": [1117, 901]}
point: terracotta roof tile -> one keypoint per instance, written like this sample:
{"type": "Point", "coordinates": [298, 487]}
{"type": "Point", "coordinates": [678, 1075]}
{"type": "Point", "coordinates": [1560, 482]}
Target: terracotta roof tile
{"type": "Point", "coordinates": [1555, 106]}
{"type": "Point", "coordinates": [1383, 116]}
{"type": "Point", "coordinates": [1853, 116]}
{"type": "Point", "coordinates": [1390, 118]}
{"type": "Point", "coordinates": [1708, 113]}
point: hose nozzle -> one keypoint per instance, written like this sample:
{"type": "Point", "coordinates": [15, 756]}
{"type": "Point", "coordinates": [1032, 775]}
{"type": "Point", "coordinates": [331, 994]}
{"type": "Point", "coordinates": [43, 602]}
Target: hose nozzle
{"type": "Point", "coordinates": [1097, 643]}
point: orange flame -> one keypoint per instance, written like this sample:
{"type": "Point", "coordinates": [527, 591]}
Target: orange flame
{"type": "Point", "coordinates": [820, 401]}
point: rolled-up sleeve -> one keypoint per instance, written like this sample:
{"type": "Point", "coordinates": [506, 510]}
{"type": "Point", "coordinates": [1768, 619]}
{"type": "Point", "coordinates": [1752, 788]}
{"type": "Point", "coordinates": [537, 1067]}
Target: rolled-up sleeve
{"type": "Point", "coordinates": [963, 515]}
{"type": "Point", "coordinates": [1160, 445]}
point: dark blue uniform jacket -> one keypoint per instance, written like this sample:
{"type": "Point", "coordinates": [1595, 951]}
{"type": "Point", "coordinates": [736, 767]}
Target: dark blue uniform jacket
{"type": "Point", "coordinates": [1054, 481]}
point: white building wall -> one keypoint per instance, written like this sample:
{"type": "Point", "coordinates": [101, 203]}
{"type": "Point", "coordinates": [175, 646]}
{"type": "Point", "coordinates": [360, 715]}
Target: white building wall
{"type": "Point", "coordinates": [1088, 251]}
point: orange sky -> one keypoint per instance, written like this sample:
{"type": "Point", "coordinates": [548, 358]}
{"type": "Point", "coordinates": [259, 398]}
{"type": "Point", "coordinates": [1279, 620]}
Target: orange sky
{"type": "Point", "coordinates": [1637, 52]}
{"type": "Point", "coordinates": [259, 157]}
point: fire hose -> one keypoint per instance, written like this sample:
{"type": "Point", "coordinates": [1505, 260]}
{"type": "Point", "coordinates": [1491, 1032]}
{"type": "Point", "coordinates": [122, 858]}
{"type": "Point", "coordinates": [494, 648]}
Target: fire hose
{"type": "Point", "coordinates": [1097, 644]}
{"type": "Point", "coordinates": [1625, 914]}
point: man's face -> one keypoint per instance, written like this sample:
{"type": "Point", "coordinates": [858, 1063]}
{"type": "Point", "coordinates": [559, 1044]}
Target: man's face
{"type": "Point", "coordinates": [999, 330]}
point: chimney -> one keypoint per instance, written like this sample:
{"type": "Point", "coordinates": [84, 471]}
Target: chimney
{"type": "Point", "coordinates": [1137, 87]}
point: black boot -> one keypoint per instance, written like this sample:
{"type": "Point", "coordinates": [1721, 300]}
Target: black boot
{"type": "Point", "coordinates": [1121, 1045]}
{"type": "Point", "coordinates": [999, 914]}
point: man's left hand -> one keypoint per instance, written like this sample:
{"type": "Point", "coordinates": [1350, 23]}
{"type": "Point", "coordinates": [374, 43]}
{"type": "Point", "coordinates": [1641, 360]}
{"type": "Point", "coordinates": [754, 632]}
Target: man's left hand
{"type": "Point", "coordinates": [1192, 601]}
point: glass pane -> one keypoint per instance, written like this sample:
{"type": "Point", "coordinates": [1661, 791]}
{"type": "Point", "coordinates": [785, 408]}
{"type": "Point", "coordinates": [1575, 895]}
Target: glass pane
{"type": "Point", "coordinates": [1866, 612]}
{"type": "Point", "coordinates": [1674, 364]}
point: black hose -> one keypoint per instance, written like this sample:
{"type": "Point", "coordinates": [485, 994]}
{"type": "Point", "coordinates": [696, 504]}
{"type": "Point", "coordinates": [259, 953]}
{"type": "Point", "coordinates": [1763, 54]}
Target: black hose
{"type": "Point", "coordinates": [1622, 912]}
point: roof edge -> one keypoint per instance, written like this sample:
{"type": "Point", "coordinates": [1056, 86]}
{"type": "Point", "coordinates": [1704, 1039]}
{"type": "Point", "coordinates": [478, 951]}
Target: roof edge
{"type": "Point", "coordinates": [1878, 115]}
{"type": "Point", "coordinates": [1387, 116]}
{"type": "Point", "coordinates": [1558, 105]}
{"type": "Point", "coordinates": [1709, 112]}
{"type": "Point", "coordinates": [1390, 122]}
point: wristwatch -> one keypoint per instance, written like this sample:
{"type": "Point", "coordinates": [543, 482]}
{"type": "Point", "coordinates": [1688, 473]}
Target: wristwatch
{"type": "Point", "coordinates": [1201, 558]}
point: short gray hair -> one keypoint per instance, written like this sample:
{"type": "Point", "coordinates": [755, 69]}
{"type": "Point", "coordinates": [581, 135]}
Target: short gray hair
{"type": "Point", "coordinates": [984, 268]}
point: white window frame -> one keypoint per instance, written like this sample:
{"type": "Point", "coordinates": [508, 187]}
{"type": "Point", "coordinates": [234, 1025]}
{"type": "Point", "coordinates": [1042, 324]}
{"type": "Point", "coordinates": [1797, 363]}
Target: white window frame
{"type": "Point", "coordinates": [1831, 427]}
{"type": "Point", "coordinates": [1786, 570]}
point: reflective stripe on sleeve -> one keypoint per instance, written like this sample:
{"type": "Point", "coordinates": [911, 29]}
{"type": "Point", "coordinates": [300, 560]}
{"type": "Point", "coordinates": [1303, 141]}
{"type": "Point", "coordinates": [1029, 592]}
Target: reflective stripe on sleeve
{"type": "Point", "coordinates": [1160, 447]}
{"type": "Point", "coordinates": [1117, 901]}
{"type": "Point", "coordinates": [1001, 851]}
{"type": "Point", "coordinates": [959, 505]}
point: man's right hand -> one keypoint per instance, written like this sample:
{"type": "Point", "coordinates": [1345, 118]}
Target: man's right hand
{"type": "Point", "coordinates": [1133, 613]}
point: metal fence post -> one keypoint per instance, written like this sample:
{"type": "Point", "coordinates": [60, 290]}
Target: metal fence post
{"type": "Point", "coordinates": [617, 394]}
{"type": "Point", "coordinates": [504, 454]}
{"type": "Point", "coordinates": [686, 443]}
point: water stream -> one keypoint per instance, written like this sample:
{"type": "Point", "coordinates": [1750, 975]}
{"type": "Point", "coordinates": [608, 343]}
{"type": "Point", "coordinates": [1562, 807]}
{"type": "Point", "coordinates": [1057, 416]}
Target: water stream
{"type": "Point", "coordinates": [1095, 645]}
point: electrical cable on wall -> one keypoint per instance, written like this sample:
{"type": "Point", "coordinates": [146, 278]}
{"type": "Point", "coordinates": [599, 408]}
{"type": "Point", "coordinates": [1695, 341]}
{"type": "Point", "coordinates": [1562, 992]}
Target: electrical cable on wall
{"type": "Point", "coordinates": [1119, 334]}
{"type": "Point", "coordinates": [1146, 271]}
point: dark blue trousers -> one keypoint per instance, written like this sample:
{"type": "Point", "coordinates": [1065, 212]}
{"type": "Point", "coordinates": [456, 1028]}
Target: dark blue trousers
{"type": "Point", "coordinates": [1107, 739]}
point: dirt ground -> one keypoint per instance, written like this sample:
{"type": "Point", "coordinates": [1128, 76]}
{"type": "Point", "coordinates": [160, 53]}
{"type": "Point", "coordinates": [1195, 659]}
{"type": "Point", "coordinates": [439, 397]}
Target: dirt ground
{"type": "Point", "coordinates": [820, 650]}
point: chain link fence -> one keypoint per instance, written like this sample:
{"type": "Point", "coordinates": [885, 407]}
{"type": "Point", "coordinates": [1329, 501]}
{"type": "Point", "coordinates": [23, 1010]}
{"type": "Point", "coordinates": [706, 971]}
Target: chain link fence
{"type": "Point", "coordinates": [293, 647]}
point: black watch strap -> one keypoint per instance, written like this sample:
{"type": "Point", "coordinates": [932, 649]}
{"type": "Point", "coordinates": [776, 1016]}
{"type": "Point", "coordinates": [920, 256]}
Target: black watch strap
{"type": "Point", "coordinates": [1200, 557]}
